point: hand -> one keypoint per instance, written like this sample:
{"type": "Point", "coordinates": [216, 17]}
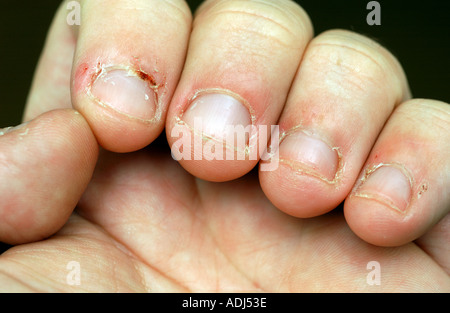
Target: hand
{"type": "Point", "coordinates": [144, 222]}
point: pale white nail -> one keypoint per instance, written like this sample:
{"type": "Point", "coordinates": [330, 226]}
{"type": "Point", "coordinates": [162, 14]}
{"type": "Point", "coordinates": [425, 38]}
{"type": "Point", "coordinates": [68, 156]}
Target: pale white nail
{"type": "Point", "coordinates": [388, 184]}
{"type": "Point", "coordinates": [126, 92]}
{"type": "Point", "coordinates": [310, 152]}
{"type": "Point", "coordinates": [219, 113]}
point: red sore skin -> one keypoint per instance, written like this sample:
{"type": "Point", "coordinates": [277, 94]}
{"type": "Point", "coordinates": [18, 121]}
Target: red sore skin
{"type": "Point", "coordinates": [85, 74]}
{"type": "Point", "coordinates": [83, 77]}
{"type": "Point", "coordinates": [146, 77]}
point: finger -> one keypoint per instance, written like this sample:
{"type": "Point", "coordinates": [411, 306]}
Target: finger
{"type": "Point", "coordinates": [345, 90]}
{"type": "Point", "coordinates": [403, 190]}
{"type": "Point", "coordinates": [45, 166]}
{"type": "Point", "coordinates": [128, 59]}
{"type": "Point", "coordinates": [51, 83]}
{"type": "Point", "coordinates": [241, 61]}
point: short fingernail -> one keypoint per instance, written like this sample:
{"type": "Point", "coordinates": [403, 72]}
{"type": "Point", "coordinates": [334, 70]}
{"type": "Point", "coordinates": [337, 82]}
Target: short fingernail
{"type": "Point", "coordinates": [124, 91]}
{"type": "Point", "coordinates": [388, 184]}
{"type": "Point", "coordinates": [310, 155]}
{"type": "Point", "coordinates": [218, 113]}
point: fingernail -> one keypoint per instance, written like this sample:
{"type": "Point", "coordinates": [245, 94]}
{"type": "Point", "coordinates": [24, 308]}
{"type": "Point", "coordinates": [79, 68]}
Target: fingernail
{"type": "Point", "coordinates": [388, 184]}
{"type": "Point", "coordinates": [310, 154]}
{"type": "Point", "coordinates": [219, 114]}
{"type": "Point", "coordinates": [124, 91]}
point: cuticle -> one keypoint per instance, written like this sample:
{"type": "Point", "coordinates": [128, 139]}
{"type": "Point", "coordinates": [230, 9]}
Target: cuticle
{"type": "Point", "coordinates": [378, 198]}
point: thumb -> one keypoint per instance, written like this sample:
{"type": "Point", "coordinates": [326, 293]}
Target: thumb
{"type": "Point", "coordinates": [45, 165]}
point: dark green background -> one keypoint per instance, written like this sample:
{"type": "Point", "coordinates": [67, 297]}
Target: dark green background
{"type": "Point", "coordinates": [418, 33]}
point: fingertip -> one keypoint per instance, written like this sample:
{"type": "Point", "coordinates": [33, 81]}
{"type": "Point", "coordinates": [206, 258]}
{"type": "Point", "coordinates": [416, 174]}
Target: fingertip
{"type": "Point", "coordinates": [379, 224]}
{"type": "Point", "coordinates": [211, 137]}
{"type": "Point", "coordinates": [124, 75]}
{"type": "Point", "coordinates": [120, 103]}
{"type": "Point", "coordinates": [298, 193]}
{"type": "Point", "coordinates": [401, 192]}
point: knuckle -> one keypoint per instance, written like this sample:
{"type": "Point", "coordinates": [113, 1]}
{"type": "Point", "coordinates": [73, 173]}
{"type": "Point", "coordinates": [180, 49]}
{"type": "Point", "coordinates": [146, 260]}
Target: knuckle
{"type": "Point", "coordinates": [427, 112]}
{"type": "Point", "coordinates": [359, 45]}
{"type": "Point", "coordinates": [282, 22]}
{"type": "Point", "coordinates": [362, 61]}
{"type": "Point", "coordinates": [179, 7]}
{"type": "Point", "coordinates": [165, 12]}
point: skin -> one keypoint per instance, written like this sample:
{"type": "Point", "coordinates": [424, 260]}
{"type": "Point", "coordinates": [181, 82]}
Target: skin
{"type": "Point", "coordinates": [144, 222]}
